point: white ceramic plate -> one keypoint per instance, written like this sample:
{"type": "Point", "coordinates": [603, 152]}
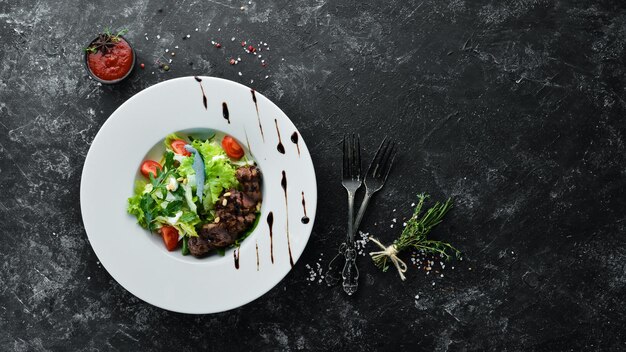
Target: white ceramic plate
{"type": "Point", "coordinates": [136, 258]}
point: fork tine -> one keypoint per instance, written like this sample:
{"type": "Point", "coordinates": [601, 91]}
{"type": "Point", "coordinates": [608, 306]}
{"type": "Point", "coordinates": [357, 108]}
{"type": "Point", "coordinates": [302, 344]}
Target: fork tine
{"type": "Point", "coordinates": [353, 156]}
{"type": "Point", "coordinates": [390, 164]}
{"type": "Point", "coordinates": [385, 159]}
{"type": "Point", "coordinates": [371, 171]}
{"type": "Point", "coordinates": [345, 168]}
{"type": "Point", "coordinates": [358, 156]}
{"type": "Point", "coordinates": [381, 161]}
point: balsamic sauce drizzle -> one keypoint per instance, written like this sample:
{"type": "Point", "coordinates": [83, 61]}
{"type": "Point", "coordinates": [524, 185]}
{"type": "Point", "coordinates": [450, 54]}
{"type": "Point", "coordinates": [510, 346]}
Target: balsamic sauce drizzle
{"type": "Point", "coordinates": [225, 112]}
{"type": "Point", "coordinates": [257, 256]}
{"type": "Point", "coordinates": [283, 184]}
{"type": "Point", "coordinates": [294, 139]}
{"type": "Point", "coordinates": [305, 219]}
{"type": "Point", "coordinates": [270, 223]}
{"type": "Point", "coordinates": [204, 101]}
{"type": "Point", "coordinates": [280, 147]}
{"type": "Point", "coordinates": [256, 106]}
{"type": "Point", "coordinates": [236, 255]}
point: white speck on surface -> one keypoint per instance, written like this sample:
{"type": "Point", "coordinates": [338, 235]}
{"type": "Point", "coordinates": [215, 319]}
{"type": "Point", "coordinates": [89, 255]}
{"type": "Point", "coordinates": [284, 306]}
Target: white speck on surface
{"type": "Point", "coordinates": [198, 29]}
{"type": "Point", "coordinates": [158, 36]}
{"type": "Point", "coordinates": [167, 50]}
{"type": "Point", "coordinates": [239, 73]}
{"type": "Point", "coordinates": [232, 39]}
{"type": "Point", "coordinates": [412, 204]}
{"type": "Point", "coordinates": [351, 69]}
{"type": "Point", "coordinates": [417, 296]}
{"type": "Point", "coordinates": [188, 36]}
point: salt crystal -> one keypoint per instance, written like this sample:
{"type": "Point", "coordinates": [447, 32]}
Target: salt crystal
{"type": "Point", "coordinates": [146, 38]}
{"type": "Point", "coordinates": [197, 29]}
{"type": "Point", "coordinates": [232, 39]}
{"type": "Point", "coordinates": [351, 69]}
{"type": "Point", "coordinates": [266, 77]}
{"type": "Point", "coordinates": [239, 73]}
{"type": "Point", "coordinates": [412, 204]}
{"type": "Point", "coordinates": [88, 277]}
{"type": "Point", "coordinates": [251, 81]}
{"type": "Point", "coordinates": [441, 275]}
{"type": "Point", "coordinates": [391, 226]}
{"type": "Point", "coordinates": [188, 36]}
{"type": "Point", "coordinates": [170, 61]}
{"type": "Point", "coordinates": [404, 224]}
{"type": "Point", "coordinates": [259, 56]}
{"type": "Point", "coordinates": [417, 296]}
{"type": "Point", "coordinates": [158, 36]}
{"type": "Point", "coordinates": [394, 219]}
{"type": "Point", "coordinates": [394, 210]}
{"type": "Point", "coordinates": [176, 47]}
{"type": "Point", "coordinates": [433, 283]}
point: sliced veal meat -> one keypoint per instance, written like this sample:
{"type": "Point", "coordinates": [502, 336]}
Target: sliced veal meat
{"type": "Point", "coordinates": [211, 236]}
{"type": "Point", "coordinates": [250, 180]}
{"type": "Point", "coordinates": [235, 212]}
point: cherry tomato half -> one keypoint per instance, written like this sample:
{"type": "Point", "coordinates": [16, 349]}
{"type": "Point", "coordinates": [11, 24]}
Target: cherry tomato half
{"type": "Point", "coordinates": [232, 148]}
{"type": "Point", "coordinates": [178, 146]}
{"type": "Point", "coordinates": [170, 237]}
{"type": "Point", "coordinates": [150, 167]}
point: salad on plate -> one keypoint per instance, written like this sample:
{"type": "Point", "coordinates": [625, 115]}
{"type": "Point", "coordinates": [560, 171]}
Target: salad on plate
{"type": "Point", "coordinates": [203, 196]}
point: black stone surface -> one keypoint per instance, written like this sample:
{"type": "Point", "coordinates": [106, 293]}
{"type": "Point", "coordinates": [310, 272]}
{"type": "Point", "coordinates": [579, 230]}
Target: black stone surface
{"type": "Point", "coordinates": [514, 108]}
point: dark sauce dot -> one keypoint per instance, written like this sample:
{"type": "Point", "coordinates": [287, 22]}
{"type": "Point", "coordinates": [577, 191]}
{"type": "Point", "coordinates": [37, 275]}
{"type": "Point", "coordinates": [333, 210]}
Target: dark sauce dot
{"type": "Point", "coordinates": [294, 137]}
{"type": "Point", "coordinates": [305, 219]}
{"type": "Point", "coordinates": [280, 148]}
{"type": "Point", "coordinates": [198, 79]}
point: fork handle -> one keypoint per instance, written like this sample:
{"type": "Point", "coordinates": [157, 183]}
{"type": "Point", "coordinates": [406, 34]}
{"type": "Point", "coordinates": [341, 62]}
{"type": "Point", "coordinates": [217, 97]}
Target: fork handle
{"type": "Point", "coordinates": [359, 215]}
{"type": "Point", "coordinates": [350, 235]}
{"type": "Point", "coordinates": [350, 272]}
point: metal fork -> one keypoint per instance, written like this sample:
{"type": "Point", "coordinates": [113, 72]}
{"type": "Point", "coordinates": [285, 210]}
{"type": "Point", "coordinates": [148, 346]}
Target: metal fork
{"type": "Point", "coordinates": [376, 175]}
{"type": "Point", "coordinates": [374, 180]}
{"type": "Point", "coordinates": [351, 182]}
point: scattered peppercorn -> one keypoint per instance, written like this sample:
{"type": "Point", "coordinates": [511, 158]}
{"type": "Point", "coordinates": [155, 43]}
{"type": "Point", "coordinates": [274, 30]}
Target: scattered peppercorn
{"type": "Point", "coordinates": [218, 45]}
{"type": "Point", "coordinates": [166, 67]}
{"type": "Point", "coordinates": [251, 48]}
{"type": "Point", "coordinates": [243, 43]}
{"type": "Point", "coordinates": [142, 65]}
{"type": "Point", "coordinates": [232, 61]}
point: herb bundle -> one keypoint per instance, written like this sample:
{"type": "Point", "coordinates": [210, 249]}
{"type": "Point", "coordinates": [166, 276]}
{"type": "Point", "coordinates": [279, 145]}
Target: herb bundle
{"type": "Point", "coordinates": [414, 236]}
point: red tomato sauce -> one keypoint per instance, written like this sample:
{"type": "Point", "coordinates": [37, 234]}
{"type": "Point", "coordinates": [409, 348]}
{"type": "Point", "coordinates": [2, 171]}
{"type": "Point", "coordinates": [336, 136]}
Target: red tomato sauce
{"type": "Point", "coordinates": [113, 65]}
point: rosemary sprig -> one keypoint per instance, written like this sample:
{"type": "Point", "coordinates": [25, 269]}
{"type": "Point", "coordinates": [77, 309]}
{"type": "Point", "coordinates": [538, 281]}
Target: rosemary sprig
{"type": "Point", "coordinates": [415, 233]}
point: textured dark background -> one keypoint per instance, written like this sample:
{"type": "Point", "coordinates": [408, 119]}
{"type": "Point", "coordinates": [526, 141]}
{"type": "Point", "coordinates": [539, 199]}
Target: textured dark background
{"type": "Point", "coordinates": [514, 108]}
